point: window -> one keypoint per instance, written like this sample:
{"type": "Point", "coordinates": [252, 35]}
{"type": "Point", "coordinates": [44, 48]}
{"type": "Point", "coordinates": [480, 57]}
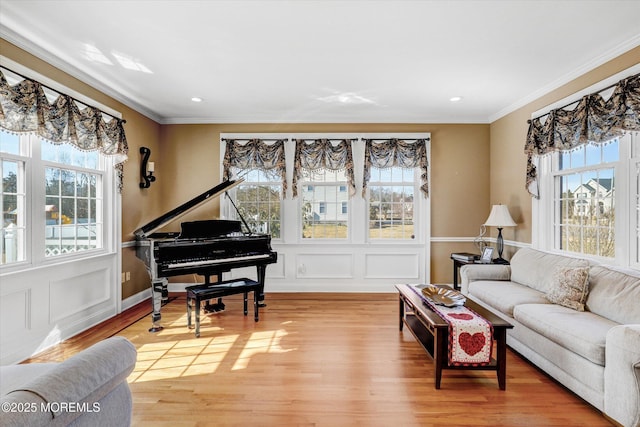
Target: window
{"type": "Point", "coordinates": [12, 199]}
{"type": "Point", "coordinates": [307, 188]}
{"type": "Point", "coordinates": [261, 164]}
{"type": "Point", "coordinates": [585, 200]}
{"type": "Point", "coordinates": [634, 202]}
{"type": "Point", "coordinates": [258, 200]}
{"type": "Point", "coordinates": [324, 209]}
{"type": "Point", "coordinates": [73, 199]}
{"type": "Point", "coordinates": [595, 205]}
{"type": "Point", "coordinates": [58, 190]}
{"type": "Point", "coordinates": [391, 203]}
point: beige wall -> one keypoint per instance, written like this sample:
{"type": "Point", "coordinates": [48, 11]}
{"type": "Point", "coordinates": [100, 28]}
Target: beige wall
{"type": "Point", "coordinates": [459, 174]}
{"type": "Point", "coordinates": [472, 166]}
{"type": "Point", "coordinates": [187, 159]}
{"type": "Point", "coordinates": [137, 204]}
{"type": "Point", "coordinates": [508, 134]}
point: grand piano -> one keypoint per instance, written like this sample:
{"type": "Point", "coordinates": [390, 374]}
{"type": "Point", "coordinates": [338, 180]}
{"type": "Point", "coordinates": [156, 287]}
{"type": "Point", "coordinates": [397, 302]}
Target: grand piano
{"type": "Point", "coordinates": [207, 248]}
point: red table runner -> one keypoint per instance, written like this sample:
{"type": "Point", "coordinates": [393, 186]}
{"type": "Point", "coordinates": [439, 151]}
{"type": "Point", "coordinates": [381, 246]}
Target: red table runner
{"type": "Point", "coordinates": [470, 335]}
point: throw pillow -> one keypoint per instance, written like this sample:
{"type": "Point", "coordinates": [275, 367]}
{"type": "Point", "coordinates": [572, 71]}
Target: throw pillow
{"type": "Point", "coordinates": [570, 287]}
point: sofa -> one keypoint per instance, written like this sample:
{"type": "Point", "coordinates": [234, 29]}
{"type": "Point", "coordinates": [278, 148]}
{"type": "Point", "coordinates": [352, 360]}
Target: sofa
{"type": "Point", "coordinates": [577, 320]}
{"type": "Point", "coordinates": [88, 389]}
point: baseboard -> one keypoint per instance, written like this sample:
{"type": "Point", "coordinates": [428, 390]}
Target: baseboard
{"type": "Point", "coordinates": [135, 299]}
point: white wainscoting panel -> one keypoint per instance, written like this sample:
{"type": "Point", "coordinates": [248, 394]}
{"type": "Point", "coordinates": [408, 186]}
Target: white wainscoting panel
{"type": "Point", "coordinates": [324, 266]}
{"type": "Point", "coordinates": [16, 319]}
{"type": "Point", "coordinates": [42, 306]}
{"type": "Point", "coordinates": [392, 266]}
{"type": "Point", "coordinates": [277, 270]}
{"type": "Point", "coordinates": [72, 295]}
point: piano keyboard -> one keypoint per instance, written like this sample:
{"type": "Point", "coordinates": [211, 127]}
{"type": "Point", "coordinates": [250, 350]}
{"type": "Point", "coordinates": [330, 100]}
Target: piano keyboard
{"type": "Point", "coordinates": [216, 261]}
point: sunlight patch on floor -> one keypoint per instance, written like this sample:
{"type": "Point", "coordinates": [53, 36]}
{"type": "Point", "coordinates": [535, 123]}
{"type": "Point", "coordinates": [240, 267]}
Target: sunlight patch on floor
{"type": "Point", "coordinates": [198, 356]}
{"type": "Point", "coordinates": [260, 342]}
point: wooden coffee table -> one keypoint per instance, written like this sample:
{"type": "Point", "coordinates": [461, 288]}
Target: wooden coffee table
{"type": "Point", "coordinates": [433, 333]}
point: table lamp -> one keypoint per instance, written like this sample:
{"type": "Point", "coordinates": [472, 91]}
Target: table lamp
{"type": "Point", "coordinates": [500, 218]}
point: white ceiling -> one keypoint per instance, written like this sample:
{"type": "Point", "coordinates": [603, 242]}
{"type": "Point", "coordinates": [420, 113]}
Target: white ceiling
{"type": "Point", "coordinates": [323, 61]}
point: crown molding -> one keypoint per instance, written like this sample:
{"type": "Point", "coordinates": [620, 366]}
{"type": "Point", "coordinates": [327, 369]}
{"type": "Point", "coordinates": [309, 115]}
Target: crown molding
{"type": "Point", "coordinates": [578, 72]}
{"type": "Point", "coordinates": [28, 46]}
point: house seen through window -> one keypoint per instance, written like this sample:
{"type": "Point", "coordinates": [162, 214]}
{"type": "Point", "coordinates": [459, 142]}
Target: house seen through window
{"type": "Point", "coordinates": [324, 205]}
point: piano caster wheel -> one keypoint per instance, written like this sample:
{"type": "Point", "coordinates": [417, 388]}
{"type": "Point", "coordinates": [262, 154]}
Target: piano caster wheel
{"type": "Point", "coordinates": [156, 329]}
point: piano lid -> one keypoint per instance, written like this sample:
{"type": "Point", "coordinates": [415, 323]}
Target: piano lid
{"type": "Point", "coordinates": [144, 231]}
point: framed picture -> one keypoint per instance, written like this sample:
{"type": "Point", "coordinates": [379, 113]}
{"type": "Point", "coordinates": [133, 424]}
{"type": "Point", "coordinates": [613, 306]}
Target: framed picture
{"type": "Point", "coordinates": [487, 253]}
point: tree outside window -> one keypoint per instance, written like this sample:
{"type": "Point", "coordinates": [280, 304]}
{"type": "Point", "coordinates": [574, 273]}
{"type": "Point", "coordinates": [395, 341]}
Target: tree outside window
{"type": "Point", "coordinates": [258, 199]}
{"type": "Point", "coordinates": [391, 203]}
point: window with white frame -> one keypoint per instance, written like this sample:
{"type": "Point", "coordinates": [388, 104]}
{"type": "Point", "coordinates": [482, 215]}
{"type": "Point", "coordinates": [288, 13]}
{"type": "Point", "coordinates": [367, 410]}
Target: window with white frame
{"type": "Point", "coordinates": [595, 207]}
{"type": "Point", "coordinates": [319, 205]}
{"type": "Point", "coordinates": [13, 198]}
{"type": "Point", "coordinates": [584, 199]}
{"type": "Point", "coordinates": [258, 200]}
{"type": "Point", "coordinates": [324, 205]}
{"type": "Point", "coordinates": [58, 189]}
{"type": "Point", "coordinates": [391, 203]}
{"type": "Point", "coordinates": [73, 199]}
{"type": "Point", "coordinates": [634, 201]}
{"type": "Point", "coordinates": [582, 169]}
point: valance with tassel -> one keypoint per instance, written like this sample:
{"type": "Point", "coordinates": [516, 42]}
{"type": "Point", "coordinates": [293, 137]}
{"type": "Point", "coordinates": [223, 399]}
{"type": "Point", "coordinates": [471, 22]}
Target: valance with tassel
{"type": "Point", "coordinates": [323, 154]}
{"type": "Point", "coordinates": [255, 154]}
{"type": "Point", "coordinates": [25, 108]}
{"type": "Point", "coordinates": [593, 120]}
{"type": "Point", "coordinates": [396, 153]}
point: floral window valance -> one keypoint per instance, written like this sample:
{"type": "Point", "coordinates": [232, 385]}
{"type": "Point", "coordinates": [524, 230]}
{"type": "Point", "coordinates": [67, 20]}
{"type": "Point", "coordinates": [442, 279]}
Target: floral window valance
{"type": "Point", "coordinates": [255, 154]}
{"type": "Point", "coordinates": [396, 153]}
{"type": "Point", "coordinates": [25, 108]}
{"type": "Point", "coordinates": [319, 154]}
{"type": "Point", "coordinates": [593, 120]}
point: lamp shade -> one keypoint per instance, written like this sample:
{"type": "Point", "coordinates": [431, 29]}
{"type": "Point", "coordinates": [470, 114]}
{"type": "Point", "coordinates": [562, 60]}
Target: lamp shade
{"type": "Point", "coordinates": [500, 217]}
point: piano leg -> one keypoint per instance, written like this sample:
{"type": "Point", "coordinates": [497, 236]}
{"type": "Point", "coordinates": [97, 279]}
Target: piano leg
{"type": "Point", "coordinates": [159, 291]}
{"type": "Point", "coordinates": [262, 269]}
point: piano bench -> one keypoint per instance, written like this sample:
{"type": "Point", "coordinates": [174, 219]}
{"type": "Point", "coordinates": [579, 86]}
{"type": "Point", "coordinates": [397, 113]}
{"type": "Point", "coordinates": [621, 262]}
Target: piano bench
{"type": "Point", "coordinates": [198, 293]}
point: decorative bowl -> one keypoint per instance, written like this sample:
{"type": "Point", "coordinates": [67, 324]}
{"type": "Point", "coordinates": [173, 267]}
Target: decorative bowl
{"type": "Point", "coordinates": [443, 296]}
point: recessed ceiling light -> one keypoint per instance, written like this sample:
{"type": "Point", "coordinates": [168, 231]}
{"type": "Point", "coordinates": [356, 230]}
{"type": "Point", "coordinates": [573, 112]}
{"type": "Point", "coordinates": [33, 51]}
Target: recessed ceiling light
{"type": "Point", "coordinates": [196, 99]}
{"type": "Point", "coordinates": [455, 98]}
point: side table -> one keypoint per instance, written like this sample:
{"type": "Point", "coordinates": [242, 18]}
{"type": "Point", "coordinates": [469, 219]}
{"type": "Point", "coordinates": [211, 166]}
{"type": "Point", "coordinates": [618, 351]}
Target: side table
{"type": "Point", "coordinates": [458, 262]}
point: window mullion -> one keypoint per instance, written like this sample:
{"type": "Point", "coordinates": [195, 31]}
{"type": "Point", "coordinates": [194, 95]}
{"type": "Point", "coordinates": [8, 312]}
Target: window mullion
{"type": "Point", "coordinates": [36, 200]}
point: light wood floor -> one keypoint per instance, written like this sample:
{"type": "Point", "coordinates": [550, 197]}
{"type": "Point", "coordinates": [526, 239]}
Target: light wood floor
{"type": "Point", "coordinates": [316, 359]}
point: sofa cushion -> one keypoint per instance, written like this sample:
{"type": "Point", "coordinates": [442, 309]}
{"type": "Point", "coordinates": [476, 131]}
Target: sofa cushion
{"type": "Point", "coordinates": [504, 296]}
{"type": "Point", "coordinates": [583, 333]}
{"type": "Point", "coordinates": [614, 294]}
{"type": "Point", "coordinates": [535, 268]}
{"type": "Point", "coordinates": [570, 287]}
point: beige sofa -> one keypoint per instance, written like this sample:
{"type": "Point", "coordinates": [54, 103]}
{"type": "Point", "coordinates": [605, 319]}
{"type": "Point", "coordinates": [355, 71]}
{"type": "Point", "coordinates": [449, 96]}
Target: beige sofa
{"type": "Point", "coordinates": [88, 389]}
{"type": "Point", "coordinates": [588, 339]}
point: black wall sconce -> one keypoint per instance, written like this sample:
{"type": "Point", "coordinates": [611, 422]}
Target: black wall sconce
{"type": "Point", "coordinates": [145, 166]}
